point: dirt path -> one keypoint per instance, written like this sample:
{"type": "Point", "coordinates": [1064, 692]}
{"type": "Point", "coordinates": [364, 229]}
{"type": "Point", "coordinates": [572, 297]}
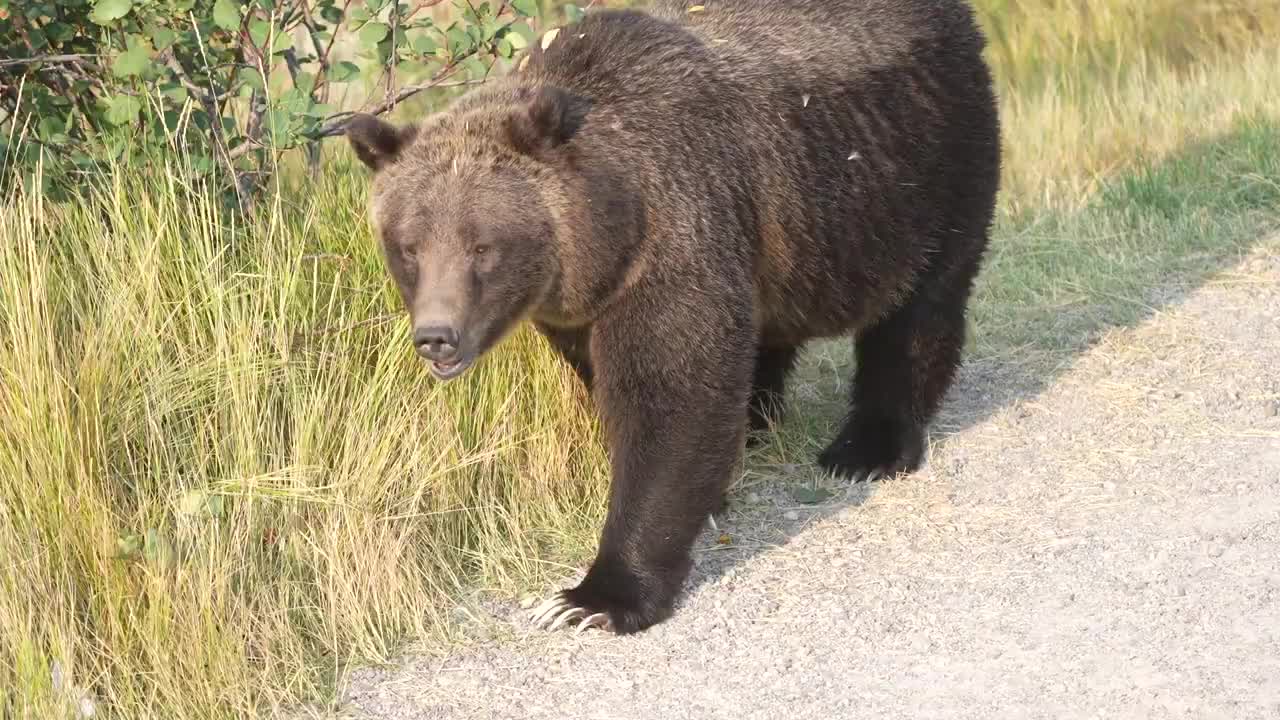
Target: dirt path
{"type": "Point", "coordinates": [1109, 547]}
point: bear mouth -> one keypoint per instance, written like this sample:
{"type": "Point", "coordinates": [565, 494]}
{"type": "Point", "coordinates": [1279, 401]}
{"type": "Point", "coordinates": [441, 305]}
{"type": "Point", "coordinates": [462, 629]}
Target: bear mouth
{"type": "Point", "coordinates": [451, 369]}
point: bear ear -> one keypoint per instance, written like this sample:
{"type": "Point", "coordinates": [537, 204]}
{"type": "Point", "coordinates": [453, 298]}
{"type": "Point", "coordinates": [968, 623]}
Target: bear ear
{"type": "Point", "coordinates": [544, 118]}
{"type": "Point", "coordinates": [377, 143]}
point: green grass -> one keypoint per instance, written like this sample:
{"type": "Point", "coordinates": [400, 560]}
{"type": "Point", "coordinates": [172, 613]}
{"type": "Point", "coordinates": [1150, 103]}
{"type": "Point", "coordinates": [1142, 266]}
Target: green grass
{"type": "Point", "coordinates": [224, 478]}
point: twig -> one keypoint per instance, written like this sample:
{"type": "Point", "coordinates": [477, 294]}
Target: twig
{"type": "Point", "coordinates": [338, 126]}
{"type": "Point", "coordinates": [222, 149]}
{"type": "Point", "coordinates": [48, 59]}
{"type": "Point", "coordinates": [185, 79]}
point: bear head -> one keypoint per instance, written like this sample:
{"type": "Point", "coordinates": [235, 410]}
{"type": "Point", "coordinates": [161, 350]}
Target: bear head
{"type": "Point", "coordinates": [471, 210]}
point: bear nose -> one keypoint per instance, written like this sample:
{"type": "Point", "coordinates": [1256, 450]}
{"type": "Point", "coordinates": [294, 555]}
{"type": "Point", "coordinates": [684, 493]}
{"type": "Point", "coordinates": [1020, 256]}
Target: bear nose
{"type": "Point", "coordinates": [439, 344]}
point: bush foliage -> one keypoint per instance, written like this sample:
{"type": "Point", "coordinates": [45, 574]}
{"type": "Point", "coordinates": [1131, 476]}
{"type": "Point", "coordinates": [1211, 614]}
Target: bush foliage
{"type": "Point", "coordinates": [229, 83]}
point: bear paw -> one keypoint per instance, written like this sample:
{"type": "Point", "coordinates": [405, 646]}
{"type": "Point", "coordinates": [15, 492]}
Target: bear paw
{"type": "Point", "coordinates": [576, 606]}
{"type": "Point", "coordinates": [610, 598]}
{"type": "Point", "coordinates": [873, 448]}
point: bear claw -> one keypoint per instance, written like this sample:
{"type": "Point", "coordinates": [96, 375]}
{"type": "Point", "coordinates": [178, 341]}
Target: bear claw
{"type": "Point", "coordinates": [559, 612]}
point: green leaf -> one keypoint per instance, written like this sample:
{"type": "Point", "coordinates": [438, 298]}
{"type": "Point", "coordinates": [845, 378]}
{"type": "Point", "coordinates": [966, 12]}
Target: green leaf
{"type": "Point", "coordinates": [162, 37]}
{"type": "Point", "coordinates": [259, 31]}
{"type": "Point", "coordinates": [131, 62]}
{"type": "Point", "coordinates": [305, 82]}
{"type": "Point", "coordinates": [280, 129]}
{"type": "Point", "coordinates": [527, 8]}
{"type": "Point", "coordinates": [573, 13]}
{"type": "Point", "coordinates": [283, 42]}
{"type": "Point", "coordinates": [293, 101]}
{"type": "Point", "coordinates": [59, 32]}
{"type": "Point", "coordinates": [49, 127]}
{"type": "Point", "coordinates": [475, 67]}
{"type": "Point", "coordinates": [216, 506]}
{"type": "Point", "coordinates": [36, 37]}
{"type": "Point", "coordinates": [176, 93]}
{"type": "Point", "coordinates": [373, 33]}
{"type": "Point", "coordinates": [344, 71]}
{"type": "Point", "coordinates": [123, 109]}
{"type": "Point", "coordinates": [424, 45]}
{"type": "Point", "coordinates": [459, 42]}
{"type": "Point", "coordinates": [518, 40]}
{"type": "Point", "coordinates": [359, 15]}
{"type": "Point", "coordinates": [331, 14]}
{"type": "Point", "coordinates": [226, 15]}
{"type": "Point", "coordinates": [106, 12]}
{"type": "Point", "coordinates": [505, 49]}
{"type": "Point", "coordinates": [253, 79]}
{"type": "Point", "coordinates": [202, 164]}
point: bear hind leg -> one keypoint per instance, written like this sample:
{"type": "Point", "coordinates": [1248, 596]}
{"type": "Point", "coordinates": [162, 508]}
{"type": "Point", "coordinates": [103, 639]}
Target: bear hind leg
{"type": "Point", "coordinates": [905, 365]}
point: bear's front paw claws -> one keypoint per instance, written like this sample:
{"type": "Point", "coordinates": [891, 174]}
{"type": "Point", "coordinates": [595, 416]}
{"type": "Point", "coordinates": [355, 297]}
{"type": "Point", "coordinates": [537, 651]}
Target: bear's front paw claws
{"type": "Point", "coordinates": [545, 613]}
{"type": "Point", "coordinates": [568, 616]}
{"type": "Point", "coordinates": [599, 620]}
{"type": "Point", "coordinates": [558, 612]}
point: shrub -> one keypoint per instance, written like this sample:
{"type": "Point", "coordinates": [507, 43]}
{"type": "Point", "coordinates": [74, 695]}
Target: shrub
{"type": "Point", "coordinates": [230, 83]}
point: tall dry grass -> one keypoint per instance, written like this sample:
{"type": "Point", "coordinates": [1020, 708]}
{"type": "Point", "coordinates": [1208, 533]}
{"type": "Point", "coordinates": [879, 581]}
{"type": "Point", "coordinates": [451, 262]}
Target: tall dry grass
{"type": "Point", "coordinates": [224, 477]}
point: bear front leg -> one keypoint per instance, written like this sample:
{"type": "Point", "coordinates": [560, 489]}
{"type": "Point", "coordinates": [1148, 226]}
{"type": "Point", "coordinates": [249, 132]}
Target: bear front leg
{"type": "Point", "coordinates": [672, 379]}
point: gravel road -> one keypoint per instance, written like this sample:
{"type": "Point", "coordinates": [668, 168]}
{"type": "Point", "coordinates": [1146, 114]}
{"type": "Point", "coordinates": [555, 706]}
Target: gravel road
{"type": "Point", "coordinates": [1106, 545]}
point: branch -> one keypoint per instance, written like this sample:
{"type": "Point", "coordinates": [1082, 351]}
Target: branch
{"type": "Point", "coordinates": [204, 97]}
{"type": "Point", "coordinates": [48, 59]}
{"type": "Point", "coordinates": [240, 183]}
{"type": "Point", "coordinates": [338, 125]}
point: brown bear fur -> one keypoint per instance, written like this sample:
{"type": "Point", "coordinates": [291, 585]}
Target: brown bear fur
{"type": "Point", "coordinates": [680, 201]}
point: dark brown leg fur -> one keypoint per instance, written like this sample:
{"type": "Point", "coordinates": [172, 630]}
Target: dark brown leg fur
{"type": "Point", "coordinates": [675, 433]}
{"type": "Point", "coordinates": [905, 364]}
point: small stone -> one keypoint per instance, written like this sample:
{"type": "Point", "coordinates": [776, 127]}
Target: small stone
{"type": "Point", "coordinates": [791, 515]}
{"type": "Point", "coordinates": [1180, 591]}
{"type": "Point", "coordinates": [527, 602]}
{"type": "Point", "coordinates": [1172, 394]}
{"type": "Point", "coordinates": [753, 498]}
{"type": "Point", "coordinates": [1109, 486]}
{"type": "Point", "coordinates": [1272, 409]}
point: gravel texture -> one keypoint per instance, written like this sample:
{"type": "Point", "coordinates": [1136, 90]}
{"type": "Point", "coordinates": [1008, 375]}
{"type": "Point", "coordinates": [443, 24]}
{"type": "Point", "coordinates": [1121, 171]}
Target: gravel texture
{"type": "Point", "coordinates": [1103, 545]}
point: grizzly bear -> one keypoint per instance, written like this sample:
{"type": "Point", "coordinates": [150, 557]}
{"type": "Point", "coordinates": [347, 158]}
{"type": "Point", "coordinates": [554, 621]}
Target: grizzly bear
{"type": "Point", "coordinates": [680, 199]}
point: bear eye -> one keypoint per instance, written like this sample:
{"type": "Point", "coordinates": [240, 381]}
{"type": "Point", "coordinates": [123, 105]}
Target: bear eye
{"type": "Point", "coordinates": [480, 249]}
